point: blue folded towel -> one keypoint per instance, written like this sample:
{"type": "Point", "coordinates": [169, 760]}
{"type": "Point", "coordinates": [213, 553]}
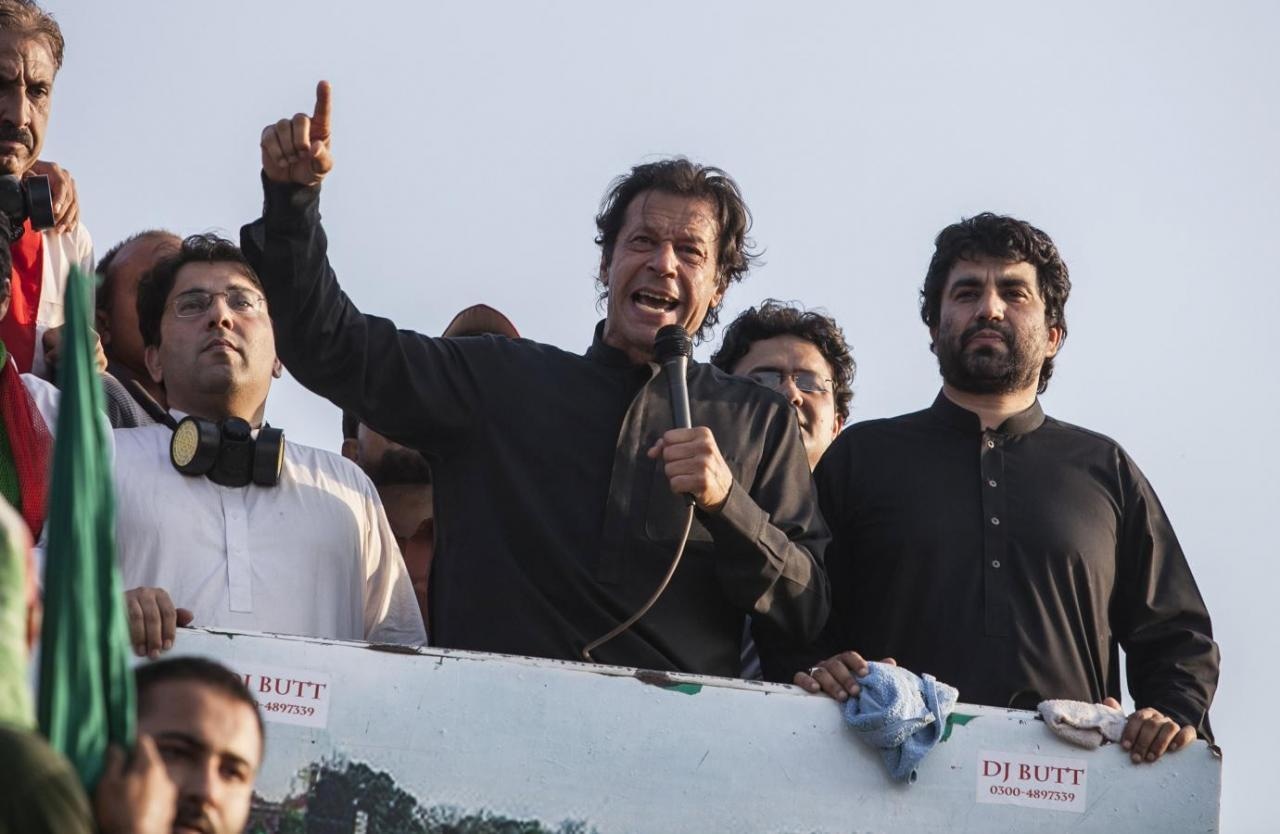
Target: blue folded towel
{"type": "Point", "coordinates": [901, 715]}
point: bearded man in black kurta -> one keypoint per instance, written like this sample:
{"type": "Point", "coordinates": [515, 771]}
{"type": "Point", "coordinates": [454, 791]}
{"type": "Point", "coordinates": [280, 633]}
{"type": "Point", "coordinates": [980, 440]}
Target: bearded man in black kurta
{"type": "Point", "coordinates": [1006, 552]}
{"type": "Point", "coordinates": [558, 475]}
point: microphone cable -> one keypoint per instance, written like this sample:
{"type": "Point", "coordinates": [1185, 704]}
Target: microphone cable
{"type": "Point", "coordinates": [644, 609]}
{"type": "Point", "coordinates": [672, 347]}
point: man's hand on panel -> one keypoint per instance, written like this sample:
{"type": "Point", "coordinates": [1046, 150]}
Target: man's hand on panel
{"type": "Point", "coordinates": [1149, 734]}
{"type": "Point", "coordinates": [836, 676]}
{"type": "Point", "coordinates": [153, 620]}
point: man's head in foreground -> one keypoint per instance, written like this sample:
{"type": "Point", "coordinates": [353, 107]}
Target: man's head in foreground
{"type": "Point", "coordinates": [802, 355]}
{"type": "Point", "coordinates": [30, 56]}
{"type": "Point", "coordinates": [121, 271]}
{"type": "Point", "coordinates": [207, 333]}
{"type": "Point", "coordinates": [209, 733]}
{"type": "Point", "coordinates": [672, 237]}
{"type": "Point", "coordinates": [994, 300]}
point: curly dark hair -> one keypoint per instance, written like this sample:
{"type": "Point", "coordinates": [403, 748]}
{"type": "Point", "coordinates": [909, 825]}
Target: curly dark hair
{"type": "Point", "coordinates": [155, 286]}
{"type": "Point", "coordinates": [26, 17]}
{"type": "Point", "coordinates": [1008, 239]}
{"type": "Point", "coordinates": [776, 318]}
{"type": "Point", "coordinates": [682, 178]}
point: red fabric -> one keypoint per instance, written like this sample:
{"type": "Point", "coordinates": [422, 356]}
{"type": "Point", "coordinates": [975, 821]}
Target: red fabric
{"type": "Point", "coordinates": [18, 327]}
{"type": "Point", "coordinates": [31, 444]}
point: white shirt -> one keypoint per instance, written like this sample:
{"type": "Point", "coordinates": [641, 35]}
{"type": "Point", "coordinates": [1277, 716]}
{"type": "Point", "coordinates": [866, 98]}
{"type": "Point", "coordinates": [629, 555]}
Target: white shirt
{"type": "Point", "coordinates": [61, 252]}
{"type": "Point", "coordinates": [45, 396]}
{"type": "Point", "coordinates": [313, 555]}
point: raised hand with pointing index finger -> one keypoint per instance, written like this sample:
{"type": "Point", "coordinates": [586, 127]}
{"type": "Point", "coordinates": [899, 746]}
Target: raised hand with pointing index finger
{"type": "Point", "coordinates": [297, 150]}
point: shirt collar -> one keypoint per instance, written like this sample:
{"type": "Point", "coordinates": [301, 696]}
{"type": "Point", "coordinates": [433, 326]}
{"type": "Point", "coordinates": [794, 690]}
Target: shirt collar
{"type": "Point", "coordinates": [1024, 422]}
{"type": "Point", "coordinates": [178, 416]}
{"type": "Point", "coordinates": [607, 354]}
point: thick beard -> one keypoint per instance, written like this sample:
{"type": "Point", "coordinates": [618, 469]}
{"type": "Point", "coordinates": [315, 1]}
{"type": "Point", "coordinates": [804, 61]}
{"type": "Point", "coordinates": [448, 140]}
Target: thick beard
{"type": "Point", "coordinates": [986, 370]}
{"type": "Point", "coordinates": [400, 466]}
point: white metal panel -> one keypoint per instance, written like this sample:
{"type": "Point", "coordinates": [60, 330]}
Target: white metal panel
{"type": "Point", "coordinates": [626, 751]}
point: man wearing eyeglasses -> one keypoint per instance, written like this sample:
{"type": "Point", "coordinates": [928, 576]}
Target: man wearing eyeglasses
{"type": "Point", "coordinates": [312, 554]}
{"type": "Point", "coordinates": [802, 355]}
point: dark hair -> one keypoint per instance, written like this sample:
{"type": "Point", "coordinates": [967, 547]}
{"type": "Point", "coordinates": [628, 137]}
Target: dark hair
{"type": "Point", "coordinates": [1007, 239]}
{"type": "Point", "coordinates": [26, 17]}
{"type": "Point", "coordinates": [199, 670]}
{"type": "Point", "coordinates": [154, 289]}
{"type": "Point", "coordinates": [350, 425]}
{"type": "Point", "coordinates": [680, 177]}
{"type": "Point", "coordinates": [105, 277]}
{"type": "Point", "coordinates": [776, 318]}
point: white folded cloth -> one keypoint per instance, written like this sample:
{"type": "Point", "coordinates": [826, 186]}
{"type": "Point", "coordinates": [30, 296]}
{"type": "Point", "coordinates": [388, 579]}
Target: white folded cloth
{"type": "Point", "coordinates": [1085, 725]}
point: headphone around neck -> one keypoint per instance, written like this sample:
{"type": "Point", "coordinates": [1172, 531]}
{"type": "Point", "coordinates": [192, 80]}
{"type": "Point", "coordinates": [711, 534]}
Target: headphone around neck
{"type": "Point", "coordinates": [226, 452]}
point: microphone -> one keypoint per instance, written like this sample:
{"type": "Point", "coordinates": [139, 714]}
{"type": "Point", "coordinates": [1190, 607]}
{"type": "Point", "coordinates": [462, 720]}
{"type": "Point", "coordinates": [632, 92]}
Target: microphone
{"type": "Point", "coordinates": [672, 347]}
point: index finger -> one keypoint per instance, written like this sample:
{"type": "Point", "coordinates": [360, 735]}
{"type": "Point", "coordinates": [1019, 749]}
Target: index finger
{"type": "Point", "coordinates": [168, 620]}
{"type": "Point", "coordinates": [145, 754]}
{"type": "Point", "coordinates": [1131, 728]}
{"type": "Point", "coordinates": [137, 625]}
{"type": "Point", "coordinates": [672, 436]}
{"type": "Point", "coordinates": [320, 120]}
{"type": "Point", "coordinates": [854, 662]}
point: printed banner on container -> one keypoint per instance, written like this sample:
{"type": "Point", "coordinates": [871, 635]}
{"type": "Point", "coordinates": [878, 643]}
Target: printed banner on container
{"type": "Point", "coordinates": [1047, 782]}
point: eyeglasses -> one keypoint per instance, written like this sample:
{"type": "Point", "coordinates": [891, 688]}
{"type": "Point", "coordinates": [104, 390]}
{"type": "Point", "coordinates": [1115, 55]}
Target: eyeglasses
{"type": "Point", "coordinates": [242, 302]}
{"type": "Point", "coordinates": [806, 381]}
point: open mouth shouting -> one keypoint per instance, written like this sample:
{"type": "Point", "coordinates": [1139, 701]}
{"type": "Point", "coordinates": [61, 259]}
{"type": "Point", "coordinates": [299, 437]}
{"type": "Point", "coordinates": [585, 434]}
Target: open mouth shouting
{"type": "Point", "coordinates": [655, 301]}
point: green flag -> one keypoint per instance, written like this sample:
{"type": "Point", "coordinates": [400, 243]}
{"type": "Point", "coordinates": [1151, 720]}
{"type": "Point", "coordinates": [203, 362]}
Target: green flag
{"type": "Point", "coordinates": [15, 553]}
{"type": "Point", "coordinates": [85, 699]}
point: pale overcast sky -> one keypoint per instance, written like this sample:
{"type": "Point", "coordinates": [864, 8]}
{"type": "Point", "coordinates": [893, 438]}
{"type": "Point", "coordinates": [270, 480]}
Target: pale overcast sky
{"type": "Point", "coordinates": [474, 140]}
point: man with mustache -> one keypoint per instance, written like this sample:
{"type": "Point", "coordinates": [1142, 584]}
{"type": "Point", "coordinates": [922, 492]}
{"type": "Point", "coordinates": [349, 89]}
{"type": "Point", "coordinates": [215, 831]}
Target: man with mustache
{"type": "Point", "coordinates": [559, 476]}
{"type": "Point", "coordinates": [309, 554]}
{"type": "Point", "coordinates": [31, 49]}
{"type": "Point", "coordinates": [1003, 551]}
{"type": "Point", "coordinates": [209, 734]}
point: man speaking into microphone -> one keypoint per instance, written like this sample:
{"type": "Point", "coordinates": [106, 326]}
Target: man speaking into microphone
{"type": "Point", "coordinates": [559, 476]}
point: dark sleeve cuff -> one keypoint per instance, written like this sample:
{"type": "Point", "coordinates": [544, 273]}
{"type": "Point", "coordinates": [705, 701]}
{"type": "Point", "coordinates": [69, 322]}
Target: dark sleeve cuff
{"type": "Point", "coordinates": [1185, 712]}
{"type": "Point", "coordinates": [285, 204]}
{"type": "Point", "coordinates": [740, 514]}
